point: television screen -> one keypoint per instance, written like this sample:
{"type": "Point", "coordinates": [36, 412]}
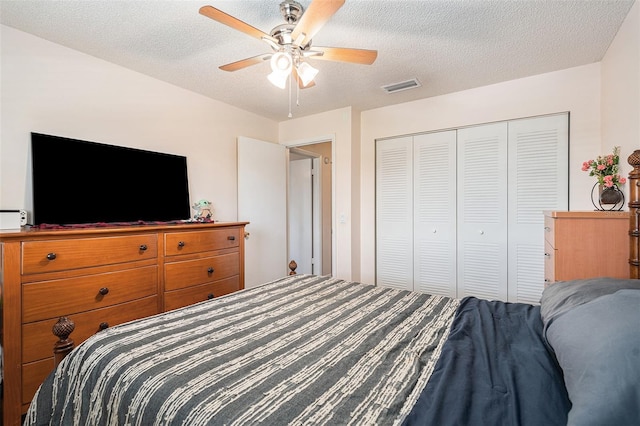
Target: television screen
{"type": "Point", "coordinates": [79, 182]}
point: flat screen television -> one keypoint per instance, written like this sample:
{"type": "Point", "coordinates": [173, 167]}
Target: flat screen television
{"type": "Point", "coordinates": [80, 182]}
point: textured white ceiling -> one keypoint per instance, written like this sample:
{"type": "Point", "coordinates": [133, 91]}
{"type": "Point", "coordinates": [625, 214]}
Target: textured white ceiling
{"type": "Point", "coordinates": [449, 45]}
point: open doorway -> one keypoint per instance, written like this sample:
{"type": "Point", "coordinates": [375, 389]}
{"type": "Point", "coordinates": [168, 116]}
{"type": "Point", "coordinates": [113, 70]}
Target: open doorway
{"type": "Point", "coordinates": [309, 208]}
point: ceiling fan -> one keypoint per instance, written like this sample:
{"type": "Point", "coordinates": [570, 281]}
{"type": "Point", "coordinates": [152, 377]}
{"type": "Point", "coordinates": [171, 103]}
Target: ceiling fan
{"type": "Point", "coordinates": [291, 42]}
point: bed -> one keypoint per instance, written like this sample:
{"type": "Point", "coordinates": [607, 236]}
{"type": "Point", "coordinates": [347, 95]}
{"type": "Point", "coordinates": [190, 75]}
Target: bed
{"type": "Point", "coordinates": [306, 349]}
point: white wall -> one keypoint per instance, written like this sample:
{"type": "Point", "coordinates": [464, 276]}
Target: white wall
{"type": "Point", "coordinates": [621, 91]}
{"type": "Point", "coordinates": [50, 89]}
{"type": "Point", "coordinates": [576, 90]}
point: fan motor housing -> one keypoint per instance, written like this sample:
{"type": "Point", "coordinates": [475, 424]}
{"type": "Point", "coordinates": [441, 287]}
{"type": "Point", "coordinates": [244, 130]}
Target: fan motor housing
{"type": "Point", "coordinates": [291, 11]}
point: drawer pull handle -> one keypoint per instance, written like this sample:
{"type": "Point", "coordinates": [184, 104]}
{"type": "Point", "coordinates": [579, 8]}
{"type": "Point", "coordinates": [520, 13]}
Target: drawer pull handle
{"type": "Point", "coordinates": [231, 238]}
{"type": "Point", "coordinates": [210, 296]}
{"type": "Point", "coordinates": [546, 228]}
{"type": "Point", "coordinates": [51, 256]}
{"type": "Point", "coordinates": [210, 270]}
{"type": "Point", "coordinates": [180, 243]}
{"type": "Point", "coordinates": [547, 280]}
{"type": "Point", "coordinates": [143, 247]}
{"type": "Point", "coordinates": [547, 255]}
{"type": "Point", "coordinates": [103, 326]}
{"type": "Point", "coordinates": [104, 291]}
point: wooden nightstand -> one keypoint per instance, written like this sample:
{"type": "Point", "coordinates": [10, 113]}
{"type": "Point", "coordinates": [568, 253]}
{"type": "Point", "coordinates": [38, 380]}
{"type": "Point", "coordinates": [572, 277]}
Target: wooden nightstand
{"type": "Point", "coordinates": [586, 244]}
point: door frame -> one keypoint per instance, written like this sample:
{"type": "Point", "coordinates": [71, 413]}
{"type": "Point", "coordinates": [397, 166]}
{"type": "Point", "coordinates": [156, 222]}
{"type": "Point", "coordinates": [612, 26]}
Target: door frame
{"type": "Point", "coordinates": [316, 208]}
{"type": "Point", "coordinates": [300, 143]}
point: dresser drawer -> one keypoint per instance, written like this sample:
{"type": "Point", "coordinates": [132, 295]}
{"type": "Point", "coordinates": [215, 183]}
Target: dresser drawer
{"type": "Point", "coordinates": [178, 243]}
{"type": "Point", "coordinates": [49, 299]}
{"type": "Point", "coordinates": [58, 255]}
{"type": "Point", "coordinates": [199, 293]}
{"type": "Point", "coordinates": [33, 375]}
{"type": "Point", "coordinates": [199, 271]}
{"type": "Point", "coordinates": [38, 339]}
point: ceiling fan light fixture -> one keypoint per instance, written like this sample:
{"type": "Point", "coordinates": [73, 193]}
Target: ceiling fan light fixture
{"type": "Point", "coordinates": [291, 43]}
{"type": "Point", "coordinates": [281, 62]}
{"type": "Point", "coordinates": [306, 73]}
{"type": "Point", "coordinates": [278, 79]}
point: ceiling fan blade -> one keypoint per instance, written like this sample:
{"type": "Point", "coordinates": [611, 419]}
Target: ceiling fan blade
{"type": "Point", "coordinates": [235, 66]}
{"type": "Point", "coordinates": [235, 23]}
{"type": "Point", "coordinates": [316, 15]}
{"type": "Point", "coordinates": [294, 75]}
{"type": "Point", "coordinates": [343, 54]}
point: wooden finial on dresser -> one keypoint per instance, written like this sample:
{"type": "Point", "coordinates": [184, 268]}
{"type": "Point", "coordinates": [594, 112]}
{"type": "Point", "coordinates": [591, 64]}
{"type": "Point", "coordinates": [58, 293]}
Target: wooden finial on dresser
{"type": "Point", "coordinates": [634, 215]}
{"type": "Point", "coordinates": [62, 329]}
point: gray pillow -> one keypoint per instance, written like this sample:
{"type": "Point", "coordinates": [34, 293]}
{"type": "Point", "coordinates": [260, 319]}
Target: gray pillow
{"type": "Point", "coordinates": [595, 334]}
{"type": "Point", "coordinates": [563, 296]}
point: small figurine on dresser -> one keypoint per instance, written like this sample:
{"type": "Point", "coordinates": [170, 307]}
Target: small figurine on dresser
{"type": "Point", "coordinates": [204, 211]}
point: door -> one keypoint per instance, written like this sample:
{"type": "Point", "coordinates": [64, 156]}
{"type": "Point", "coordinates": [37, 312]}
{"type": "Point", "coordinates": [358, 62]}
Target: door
{"type": "Point", "coordinates": [322, 210]}
{"type": "Point", "coordinates": [538, 181]}
{"type": "Point", "coordinates": [482, 211]}
{"type": "Point", "coordinates": [262, 201]}
{"type": "Point", "coordinates": [394, 213]}
{"type": "Point", "coordinates": [301, 214]}
{"type": "Point", "coordinates": [434, 217]}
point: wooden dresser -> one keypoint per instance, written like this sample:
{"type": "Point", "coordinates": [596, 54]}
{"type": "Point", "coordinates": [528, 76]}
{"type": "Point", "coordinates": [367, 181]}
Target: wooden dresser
{"type": "Point", "coordinates": [586, 244]}
{"type": "Point", "coordinates": [98, 278]}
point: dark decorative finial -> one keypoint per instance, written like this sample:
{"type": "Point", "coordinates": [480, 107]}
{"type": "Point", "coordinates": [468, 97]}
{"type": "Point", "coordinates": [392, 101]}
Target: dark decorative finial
{"type": "Point", "coordinates": [634, 158]}
{"type": "Point", "coordinates": [62, 329]}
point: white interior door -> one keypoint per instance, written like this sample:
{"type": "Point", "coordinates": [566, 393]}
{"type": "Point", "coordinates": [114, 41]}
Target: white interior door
{"type": "Point", "coordinates": [301, 214]}
{"type": "Point", "coordinates": [482, 211]}
{"type": "Point", "coordinates": [262, 201]}
{"type": "Point", "coordinates": [394, 213]}
{"type": "Point", "coordinates": [434, 217]}
{"type": "Point", "coordinates": [538, 181]}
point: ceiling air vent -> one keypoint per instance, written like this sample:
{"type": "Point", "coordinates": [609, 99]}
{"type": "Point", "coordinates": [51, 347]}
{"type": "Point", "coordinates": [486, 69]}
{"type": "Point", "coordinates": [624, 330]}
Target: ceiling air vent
{"type": "Point", "coordinates": [403, 85]}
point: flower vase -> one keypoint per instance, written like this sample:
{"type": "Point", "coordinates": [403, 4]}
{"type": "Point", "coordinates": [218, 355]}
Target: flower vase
{"type": "Point", "coordinates": [610, 195]}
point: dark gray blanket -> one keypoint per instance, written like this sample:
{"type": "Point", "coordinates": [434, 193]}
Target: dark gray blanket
{"type": "Point", "coordinates": [495, 369]}
{"type": "Point", "coordinates": [300, 350]}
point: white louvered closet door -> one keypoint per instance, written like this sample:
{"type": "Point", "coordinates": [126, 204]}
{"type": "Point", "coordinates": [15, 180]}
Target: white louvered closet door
{"type": "Point", "coordinates": [538, 181]}
{"type": "Point", "coordinates": [482, 211]}
{"type": "Point", "coordinates": [434, 231]}
{"type": "Point", "coordinates": [394, 213]}
{"type": "Point", "coordinates": [460, 212]}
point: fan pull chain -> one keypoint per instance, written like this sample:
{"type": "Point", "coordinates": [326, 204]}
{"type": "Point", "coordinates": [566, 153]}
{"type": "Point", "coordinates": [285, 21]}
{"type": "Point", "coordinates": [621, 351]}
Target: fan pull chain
{"type": "Point", "coordinates": [289, 78]}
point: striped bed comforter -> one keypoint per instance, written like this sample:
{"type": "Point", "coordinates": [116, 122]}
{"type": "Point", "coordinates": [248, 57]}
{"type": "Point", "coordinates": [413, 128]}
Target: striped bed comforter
{"type": "Point", "coordinates": [298, 350]}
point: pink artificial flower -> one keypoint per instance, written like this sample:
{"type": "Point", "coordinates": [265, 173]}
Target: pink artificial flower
{"type": "Point", "coordinates": [608, 181]}
{"type": "Point", "coordinates": [622, 180]}
{"type": "Point", "coordinates": [585, 166]}
{"type": "Point", "coordinates": [601, 167]}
